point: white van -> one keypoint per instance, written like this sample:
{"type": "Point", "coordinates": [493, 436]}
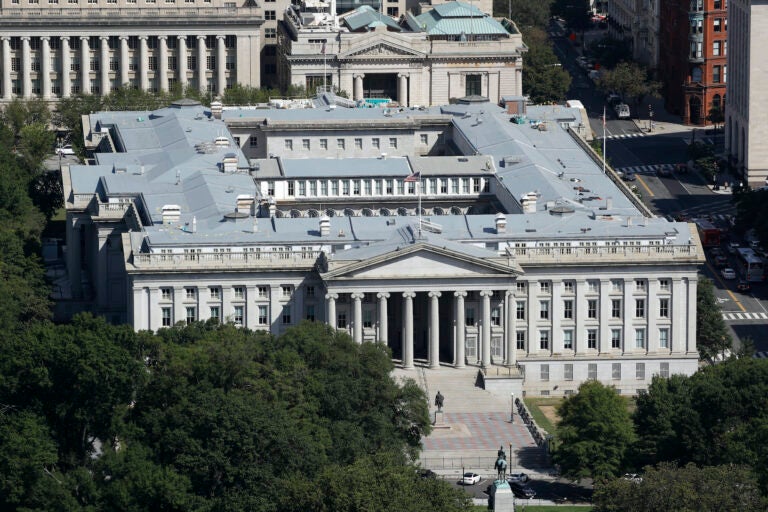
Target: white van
{"type": "Point", "coordinates": [622, 111]}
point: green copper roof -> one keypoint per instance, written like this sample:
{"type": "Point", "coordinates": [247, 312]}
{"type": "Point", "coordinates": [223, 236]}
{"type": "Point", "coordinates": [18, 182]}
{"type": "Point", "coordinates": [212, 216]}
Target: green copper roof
{"type": "Point", "coordinates": [366, 16]}
{"type": "Point", "coordinates": [457, 18]}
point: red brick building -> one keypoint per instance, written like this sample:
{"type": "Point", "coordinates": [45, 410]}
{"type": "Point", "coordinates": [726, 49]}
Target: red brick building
{"type": "Point", "coordinates": [692, 57]}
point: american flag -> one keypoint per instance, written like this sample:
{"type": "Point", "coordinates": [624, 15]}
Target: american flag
{"type": "Point", "coordinates": [413, 177]}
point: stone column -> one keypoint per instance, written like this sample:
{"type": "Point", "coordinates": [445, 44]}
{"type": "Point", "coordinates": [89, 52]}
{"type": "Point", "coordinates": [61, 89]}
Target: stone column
{"type": "Point", "coordinates": [678, 313]}
{"type": "Point", "coordinates": [179, 311]}
{"type": "Point", "coordinates": [509, 329]}
{"type": "Point", "coordinates": [358, 93]}
{"type": "Point", "coordinates": [26, 68]}
{"type": "Point", "coordinates": [604, 335]}
{"type": "Point", "coordinates": [485, 360]}
{"type": "Point", "coordinates": [652, 314]}
{"type": "Point", "coordinates": [331, 298]}
{"type": "Point", "coordinates": [628, 340]}
{"type": "Point", "coordinates": [434, 329]}
{"type": "Point", "coordinates": [66, 67]}
{"type": "Point", "coordinates": [143, 63]}
{"type": "Point", "coordinates": [7, 85]}
{"type": "Point", "coordinates": [383, 321]}
{"type": "Point", "coordinates": [106, 86]}
{"type": "Point", "coordinates": [45, 66]}
{"type": "Point", "coordinates": [154, 321]}
{"type": "Point", "coordinates": [124, 64]}
{"type": "Point", "coordinates": [555, 316]}
{"type": "Point", "coordinates": [221, 65]}
{"type": "Point", "coordinates": [163, 64]}
{"type": "Point", "coordinates": [357, 318]}
{"type": "Point", "coordinates": [182, 52]}
{"type": "Point", "coordinates": [85, 65]}
{"type": "Point", "coordinates": [402, 89]}
{"type": "Point", "coordinates": [691, 316]}
{"type": "Point", "coordinates": [408, 330]}
{"type": "Point", "coordinates": [459, 342]}
{"type": "Point", "coordinates": [202, 81]}
{"type": "Point", "coordinates": [580, 310]}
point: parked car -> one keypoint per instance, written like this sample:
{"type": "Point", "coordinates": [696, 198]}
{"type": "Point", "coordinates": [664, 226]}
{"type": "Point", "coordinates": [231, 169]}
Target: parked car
{"type": "Point", "coordinates": [743, 285]}
{"type": "Point", "coordinates": [664, 171]}
{"type": "Point", "coordinates": [728, 273]}
{"type": "Point", "coordinates": [470, 479]}
{"type": "Point", "coordinates": [629, 176]}
{"type": "Point", "coordinates": [633, 477]}
{"type": "Point", "coordinates": [682, 168]}
{"type": "Point", "coordinates": [622, 110]}
{"type": "Point", "coordinates": [733, 246]}
{"type": "Point", "coordinates": [612, 98]}
{"type": "Point", "coordinates": [523, 491]}
{"type": "Point", "coordinates": [721, 261]}
{"type": "Point", "coordinates": [517, 477]}
{"type": "Point", "coordinates": [65, 150]}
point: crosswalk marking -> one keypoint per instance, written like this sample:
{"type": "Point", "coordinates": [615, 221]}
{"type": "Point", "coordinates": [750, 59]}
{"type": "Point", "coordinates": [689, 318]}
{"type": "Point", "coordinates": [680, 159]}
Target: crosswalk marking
{"type": "Point", "coordinates": [626, 135]}
{"type": "Point", "coordinates": [745, 316]}
{"type": "Point", "coordinates": [761, 355]}
{"type": "Point", "coordinates": [642, 169]}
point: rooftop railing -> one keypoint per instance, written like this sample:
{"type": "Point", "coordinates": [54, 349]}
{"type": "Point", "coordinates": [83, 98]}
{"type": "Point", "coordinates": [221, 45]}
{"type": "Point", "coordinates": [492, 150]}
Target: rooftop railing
{"type": "Point", "coordinates": [295, 260]}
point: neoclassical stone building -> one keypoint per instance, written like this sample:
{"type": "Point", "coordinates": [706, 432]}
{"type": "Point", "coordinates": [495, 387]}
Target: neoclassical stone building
{"type": "Point", "coordinates": [476, 241]}
{"type": "Point", "coordinates": [65, 47]}
{"type": "Point", "coordinates": [450, 51]}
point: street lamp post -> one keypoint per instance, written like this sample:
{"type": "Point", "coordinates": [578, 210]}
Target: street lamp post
{"type": "Point", "coordinates": [650, 117]}
{"type": "Point", "coordinates": [512, 408]}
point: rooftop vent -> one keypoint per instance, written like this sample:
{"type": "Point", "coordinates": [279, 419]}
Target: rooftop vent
{"type": "Point", "coordinates": [229, 163]}
{"type": "Point", "coordinates": [528, 202]}
{"type": "Point", "coordinates": [562, 209]}
{"type": "Point", "coordinates": [512, 160]}
{"type": "Point", "coordinates": [501, 223]}
{"type": "Point", "coordinates": [221, 141]}
{"type": "Point", "coordinates": [245, 204]}
{"type": "Point", "coordinates": [171, 213]}
{"type": "Point", "coordinates": [325, 225]}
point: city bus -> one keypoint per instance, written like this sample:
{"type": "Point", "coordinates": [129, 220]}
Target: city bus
{"type": "Point", "coordinates": [751, 266]}
{"type": "Point", "coordinates": [708, 233]}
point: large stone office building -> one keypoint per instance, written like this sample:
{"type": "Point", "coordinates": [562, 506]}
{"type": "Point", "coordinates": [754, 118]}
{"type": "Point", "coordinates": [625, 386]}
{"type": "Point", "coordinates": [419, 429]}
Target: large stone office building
{"type": "Point", "coordinates": [457, 235]}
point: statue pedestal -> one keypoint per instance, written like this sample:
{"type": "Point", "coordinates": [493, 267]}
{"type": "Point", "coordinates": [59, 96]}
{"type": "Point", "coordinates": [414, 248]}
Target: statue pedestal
{"type": "Point", "coordinates": [439, 420]}
{"type": "Point", "coordinates": [501, 498]}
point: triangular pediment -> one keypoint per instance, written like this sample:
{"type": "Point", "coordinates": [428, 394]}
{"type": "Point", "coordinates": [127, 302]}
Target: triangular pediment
{"type": "Point", "coordinates": [377, 49]}
{"type": "Point", "coordinates": [421, 261]}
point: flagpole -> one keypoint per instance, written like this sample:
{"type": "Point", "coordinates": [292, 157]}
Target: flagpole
{"type": "Point", "coordinates": [603, 139]}
{"type": "Point", "coordinates": [419, 192]}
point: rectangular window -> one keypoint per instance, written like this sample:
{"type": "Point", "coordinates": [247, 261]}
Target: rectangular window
{"type": "Point", "coordinates": [165, 293]}
{"type": "Point", "coordinates": [640, 285]}
{"type": "Point", "coordinates": [568, 371]}
{"type": "Point", "coordinates": [664, 308]}
{"type": "Point", "coordinates": [544, 287]}
{"type": "Point", "coordinates": [640, 338]}
{"type": "Point", "coordinates": [253, 141]}
{"type": "Point", "coordinates": [664, 284]}
{"type": "Point", "coordinates": [716, 74]}
{"type": "Point", "coordinates": [664, 338]}
{"type": "Point", "coordinates": [592, 338]}
{"type": "Point", "coordinates": [286, 290]}
{"type": "Point", "coordinates": [592, 308]}
{"type": "Point", "coordinates": [270, 33]}
{"type": "Point", "coordinates": [593, 286]}
{"type": "Point", "coordinates": [305, 144]}
{"type": "Point", "coordinates": [544, 310]}
{"type": "Point", "coordinates": [323, 143]}
{"type": "Point", "coordinates": [568, 286]}
{"type": "Point", "coordinates": [718, 24]}
{"type": "Point", "coordinates": [424, 138]}
{"type": "Point", "coordinates": [239, 292]}
{"type": "Point", "coordinates": [286, 316]}
{"type": "Point", "coordinates": [166, 316]}
{"type": "Point", "coordinates": [592, 371]}
{"type": "Point", "coordinates": [376, 143]}
{"type": "Point", "coordinates": [393, 142]}
{"type": "Point", "coordinates": [496, 316]}
{"type": "Point", "coordinates": [568, 339]}
{"type": "Point", "coordinates": [544, 372]}
{"type": "Point", "coordinates": [270, 15]}
{"type": "Point", "coordinates": [520, 310]}
{"type": "Point", "coordinates": [520, 340]}
{"type": "Point", "coordinates": [340, 143]}
{"type": "Point", "coordinates": [358, 143]}
{"type": "Point", "coordinates": [640, 371]}
{"type": "Point", "coordinates": [469, 316]}
{"type": "Point", "coordinates": [615, 308]}
{"type": "Point", "coordinates": [615, 338]}
{"type": "Point", "coordinates": [616, 371]}
{"type": "Point", "coordinates": [310, 312]}
{"type": "Point", "coordinates": [639, 308]}
{"type": "Point", "coordinates": [263, 290]}
{"type": "Point", "coordinates": [664, 370]}
{"type": "Point", "coordinates": [191, 314]}
{"type": "Point", "coordinates": [520, 286]}
{"type": "Point", "coordinates": [617, 285]}
{"type": "Point", "coordinates": [190, 292]}
{"type": "Point", "coordinates": [341, 321]}
{"type": "Point", "coordinates": [716, 45]}
{"type": "Point", "coordinates": [238, 315]}
{"type": "Point", "coordinates": [473, 85]}
{"type": "Point", "coordinates": [544, 339]}
{"type": "Point", "coordinates": [568, 309]}
{"type": "Point", "coordinates": [289, 144]}
{"type": "Point", "coordinates": [215, 313]}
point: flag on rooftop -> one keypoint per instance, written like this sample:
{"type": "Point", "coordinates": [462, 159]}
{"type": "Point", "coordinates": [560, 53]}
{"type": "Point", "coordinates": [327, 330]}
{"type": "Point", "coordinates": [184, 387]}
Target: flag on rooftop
{"type": "Point", "coordinates": [413, 177]}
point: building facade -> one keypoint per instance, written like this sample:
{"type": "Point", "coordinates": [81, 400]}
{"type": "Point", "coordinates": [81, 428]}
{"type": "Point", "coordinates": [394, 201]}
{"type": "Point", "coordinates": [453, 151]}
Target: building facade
{"type": "Point", "coordinates": [451, 51]}
{"type": "Point", "coordinates": [480, 238]}
{"type": "Point", "coordinates": [96, 46]}
{"type": "Point", "coordinates": [745, 119]}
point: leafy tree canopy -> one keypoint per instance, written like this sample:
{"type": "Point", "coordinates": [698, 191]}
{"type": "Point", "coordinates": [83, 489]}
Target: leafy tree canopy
{"type": "Point", "coordinates": [630, 80]}
{"type": "Point", "coordinates": [711, 330]}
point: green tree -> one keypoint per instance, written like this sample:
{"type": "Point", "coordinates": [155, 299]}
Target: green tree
{"type": "Point", "coordinates": [712, 333]}
{"type": "Point", "coordinates": [544, 80]}
{"type": "Point", "coordinates": [630, 80]}
{"type": "Point", "coordinates": [668, 487]}
{"type": "Point", "coordinates": [595, 433]}
{"type": "Point", "coordinates": [524, 12]}
{"type": "Point", "coordinates": [716, 115]}
{"type": "Point", "coordinates": [34, 144]}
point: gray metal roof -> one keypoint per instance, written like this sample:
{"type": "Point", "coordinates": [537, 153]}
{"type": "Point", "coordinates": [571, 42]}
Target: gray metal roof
{"type": "Point", "coordinates": [347, 167]}
{"type": "Point", "coordinates": [366, 16]}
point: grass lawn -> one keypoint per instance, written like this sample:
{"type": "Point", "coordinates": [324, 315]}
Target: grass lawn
{"type": "Point", "coordinates": [533, 404]}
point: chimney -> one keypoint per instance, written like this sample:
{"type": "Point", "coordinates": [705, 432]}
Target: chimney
{"type": "Point", "coordinates": [171, 213]}
{"type": "Point", "coordinates": [325, 225]}
{"type": "Point", "coordinates": [216, 109]}
{"type": "Point", "coordinates": [608, 203]}
{"type": "Point", "coordinates": [229, 163]}
{"type": "Point", "coordinates": [194, 224]}
{"type": "Point", "coordinates": [501, 223]}
{"type": "Point", "coordinates": [255, 225]}
{"type": "Point", "coordinates": [272, 208]}
{"type": "Point", "coordinates": [528, 201]}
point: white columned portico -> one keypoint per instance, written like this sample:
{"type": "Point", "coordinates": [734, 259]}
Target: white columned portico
{"type": "Point", "coordinates": [7, 88]}
{"type": "Point", "coordinates": [383, 321]}
{"type": "Point", "coordinates": [202, 82]}
{"type": "Point", "coordinates": [402, 89]}
{"type": "Point", "coordinates": [459, 343]}
{"type": "Point", "coordinates": [104, 63]}
{"type": "Point", "coordinates": [331, 300]}
{"type": "Point", "coordinates": [408, 330]}
{"type": "Point", "coordinates": [144, 63]}
{"type": "Point", "coordinates": [358, 92]}
{"type": "Point", "coordinates": [45, 66]}
{"type": "Point", "coordinates": [678, 309]}
{"type": "Point", "coordinates": [434, 329]}
{"type": "Point", "coordinates": [163, 64]}
{"type": "Point", "coordinates": [509, 329]}
{"type": "Point", "coordinates": [182, 49]}
{"type": "Point", "coordinates": [85, 65]}
{"type": "Point", "coordinates": [66, 66]}
{"type": "Point", "coordinates": [485, 360]}
{"type": "Point", "coordinates": [26, 68]}
{"type": "Point", "coordinates": [124, 64]}
{"type": "Point", "coordinates": [357, 319]}
{"type": "Point", "coordinates": [221, 65]}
